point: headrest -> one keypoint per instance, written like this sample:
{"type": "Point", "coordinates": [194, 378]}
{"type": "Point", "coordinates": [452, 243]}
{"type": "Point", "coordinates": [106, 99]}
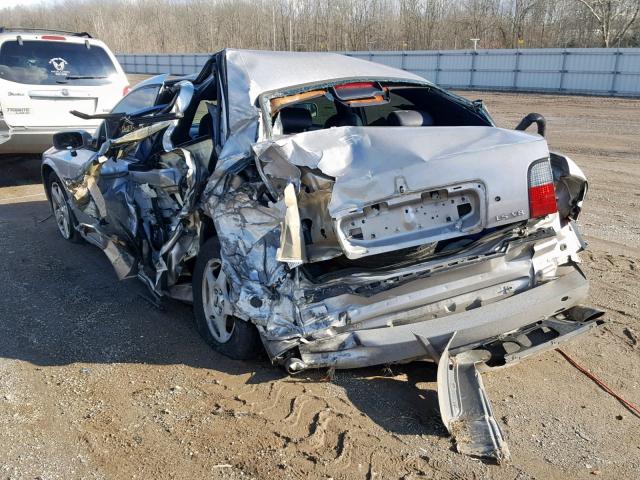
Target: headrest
{"type": "Point", "coordinates": [348, 119]}
{"type": "Point", "coordinates": [410, 118]}
{"type": "Point", "coordinates": [206, 125]}
{"type": "Point", "coordinates": [295, 120]}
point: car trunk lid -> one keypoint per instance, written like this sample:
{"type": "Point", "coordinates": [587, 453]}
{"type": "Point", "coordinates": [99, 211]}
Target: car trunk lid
{"type": "Point", "coordinates": [403, 186]}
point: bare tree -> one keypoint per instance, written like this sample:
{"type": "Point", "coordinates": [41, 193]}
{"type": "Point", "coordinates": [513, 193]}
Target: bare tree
{"type": "Point", "coordinates": [614, 17]}
{"type": "Point", "coordinates": [181, 26]}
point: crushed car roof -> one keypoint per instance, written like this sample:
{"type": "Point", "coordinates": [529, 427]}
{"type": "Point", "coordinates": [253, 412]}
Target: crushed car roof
{"type": "Point", "coordinates": [250, 73]}
{"type": "Point", "coordinates": [262, 71]}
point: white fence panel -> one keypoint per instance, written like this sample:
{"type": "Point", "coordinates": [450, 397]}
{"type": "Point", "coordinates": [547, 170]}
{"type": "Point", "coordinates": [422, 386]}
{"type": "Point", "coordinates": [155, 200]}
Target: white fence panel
{"type": "Point", "coordinates": [591, 71]}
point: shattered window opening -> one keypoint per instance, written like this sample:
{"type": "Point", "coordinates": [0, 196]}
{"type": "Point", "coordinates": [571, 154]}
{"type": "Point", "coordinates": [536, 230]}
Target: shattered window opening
{"type": "Point", "coordinates": [138, 99]}
{"type": "Point", "coordinates": [415, 106]}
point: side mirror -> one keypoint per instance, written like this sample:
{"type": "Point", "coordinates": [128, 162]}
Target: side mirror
{"type": "Point", "coordinates": [71, 140]}
{"type": "Point", "coordinates": [536, 118]}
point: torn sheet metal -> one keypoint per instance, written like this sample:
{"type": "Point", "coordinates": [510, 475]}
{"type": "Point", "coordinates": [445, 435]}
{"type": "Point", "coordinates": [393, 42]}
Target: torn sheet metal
{"type": "Point", "coordinates": [250, 74]}
{"type": "Point", "coordinates": [571, 186]}
{"type": "Point", "coordinates": [138, 196]}
{"type": "Point", "coordinates": [183, 241]}
{"type": "Point", "coordinates": [291, 250]}
{"type": "Point", "coordinates": [465, 407]}
{"type": "Point", "coordinates": [511, 348]}
{"type": "Point", "coordinates": [264, 290]}
{"type": "Point", "coordinates": [136, 135]}
{"type": "Point", "coordinates": [386, 179]}
{"type": "Point", "coordinates": [83, 185]}
{"type": "Point", "coordinates": [121, 259]}
{"type": "Point", "coordinates": [182, 102]}
{"type": "Point", "coordinates": [295, 215]}
{"type": "Point", "coordinates": [369, 162]}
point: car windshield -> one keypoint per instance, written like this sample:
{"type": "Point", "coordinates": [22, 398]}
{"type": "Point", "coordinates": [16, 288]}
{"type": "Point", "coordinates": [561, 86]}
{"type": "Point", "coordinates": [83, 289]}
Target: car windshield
{"type": "Point", "coordinates": [51, 63]}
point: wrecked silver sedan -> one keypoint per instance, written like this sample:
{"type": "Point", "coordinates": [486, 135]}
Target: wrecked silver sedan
{"type": "Point", "coordinates": [338, 213]}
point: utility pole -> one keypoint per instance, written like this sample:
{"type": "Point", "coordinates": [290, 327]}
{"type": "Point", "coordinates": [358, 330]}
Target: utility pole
{"type": "Point", "coordinates": [273, 11]}
{"type": "Point", "coordinates": [475, 43]}
{"type": "Point", "coordinates": [290, 33]}
{"type": "Point", "coordinates": [291, 4]}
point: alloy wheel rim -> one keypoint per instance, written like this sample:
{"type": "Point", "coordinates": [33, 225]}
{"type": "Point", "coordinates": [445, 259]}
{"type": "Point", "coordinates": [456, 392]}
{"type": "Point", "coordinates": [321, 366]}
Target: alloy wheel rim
{"type": "Point", "coordinates": [60, 210]}
{"type": "Point", "coordinates": [215, 301]}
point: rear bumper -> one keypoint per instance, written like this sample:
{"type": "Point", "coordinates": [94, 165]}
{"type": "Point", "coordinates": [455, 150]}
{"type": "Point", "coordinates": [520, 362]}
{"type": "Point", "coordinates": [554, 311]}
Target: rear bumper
{"type": "Point", "coordinates": [31, 139]}
{"type": "Point", "coordinates": [427, 338]}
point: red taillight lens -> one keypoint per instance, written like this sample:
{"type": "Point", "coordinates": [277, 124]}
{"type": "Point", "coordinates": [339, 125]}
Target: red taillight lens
{"type": "Point", "coordinates": [542, 193]}
{"type": "Point", "coordinates": [52, 37]}
{"type": "Point", "coordinates": [126, 90]}
{"type": "Point", "coordinates": [355, 85]}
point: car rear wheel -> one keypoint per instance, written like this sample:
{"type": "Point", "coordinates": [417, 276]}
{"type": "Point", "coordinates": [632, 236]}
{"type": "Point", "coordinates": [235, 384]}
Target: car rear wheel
{"type": "Point", "coordinates": [225, 333]}
{"type": "Point", "coordinates": [61, 209]}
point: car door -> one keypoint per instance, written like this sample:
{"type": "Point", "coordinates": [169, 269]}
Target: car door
{"type": "Point", "coordinates": [116, 218]}
{"type": "Point", "coordinates": [138, 99]}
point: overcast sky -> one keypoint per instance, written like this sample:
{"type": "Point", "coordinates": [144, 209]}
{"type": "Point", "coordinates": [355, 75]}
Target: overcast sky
{"type": "Point", "coordinates": [24, 3]}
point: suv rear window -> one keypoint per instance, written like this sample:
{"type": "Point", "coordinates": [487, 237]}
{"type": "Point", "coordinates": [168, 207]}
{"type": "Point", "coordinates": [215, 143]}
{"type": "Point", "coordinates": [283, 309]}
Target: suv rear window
{"type": "Point", "coordinates": [49, 63]}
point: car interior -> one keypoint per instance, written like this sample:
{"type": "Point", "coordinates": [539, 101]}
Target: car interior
{"type": "Point", "coordinates": [389, 106]}
{"type": "Point", "coordinates": [194, 132]}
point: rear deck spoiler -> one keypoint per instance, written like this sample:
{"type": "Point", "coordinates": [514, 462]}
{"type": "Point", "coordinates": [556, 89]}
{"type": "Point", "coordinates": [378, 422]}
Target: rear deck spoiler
{"type": "Point", "coordinates": [43, 30]}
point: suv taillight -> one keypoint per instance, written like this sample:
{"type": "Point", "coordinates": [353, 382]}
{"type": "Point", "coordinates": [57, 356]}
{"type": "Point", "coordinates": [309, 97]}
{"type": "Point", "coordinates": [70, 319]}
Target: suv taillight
{"type": "Point", "coordinates": [542, 193]}
{"type": "Point", "coordinates": [126, 90]}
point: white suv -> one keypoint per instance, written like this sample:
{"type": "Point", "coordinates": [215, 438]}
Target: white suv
{"type": "Point", "coordinates": [43, 75]}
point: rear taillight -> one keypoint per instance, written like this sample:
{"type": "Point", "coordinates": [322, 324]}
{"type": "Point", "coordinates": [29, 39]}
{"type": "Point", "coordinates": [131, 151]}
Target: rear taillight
{"type": "Point", "coordinates": [126, 90]}
{"type": "Point", "coordinates": [542, 193]}
{"type": "Point", "coordinates": [53, 37]}
{"type": "Point", "coordinates": [355, 85]}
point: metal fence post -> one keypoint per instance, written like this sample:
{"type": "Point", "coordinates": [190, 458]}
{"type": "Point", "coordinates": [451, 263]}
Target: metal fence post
{"type": "Point", "coordinates": [616, 72]}
{"type": "Point", "coordinates": [563, 69]}
{"type": "Point", "coordinates": [474, 54]}
{"type": "Point", "coordinates": [438, 55]}
{"type": "Point", "coordinates": [516, 69]}
{"type": "Point", "coordinates": [403, 55]}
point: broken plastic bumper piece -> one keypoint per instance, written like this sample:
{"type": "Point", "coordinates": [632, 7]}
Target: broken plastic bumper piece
{"type": "Point", "coordinates": [465, 408]}
{"type": "Point", "coordinates": [362, 344]}
{"type": "Point", "coordinates": [464, 405]}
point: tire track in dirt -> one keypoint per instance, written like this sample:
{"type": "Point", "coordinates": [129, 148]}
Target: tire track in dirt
{"type": "Point", "coordinates": [157, 403]}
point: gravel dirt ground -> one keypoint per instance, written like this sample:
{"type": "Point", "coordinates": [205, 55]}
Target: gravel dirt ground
{"type": "Point", "coordinates": [97, 383]}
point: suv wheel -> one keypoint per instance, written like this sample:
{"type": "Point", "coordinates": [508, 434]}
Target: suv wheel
{"type": "Point", "coordinates": [61, 209]}
{"type": "Point", "coordinates": [225, 333]}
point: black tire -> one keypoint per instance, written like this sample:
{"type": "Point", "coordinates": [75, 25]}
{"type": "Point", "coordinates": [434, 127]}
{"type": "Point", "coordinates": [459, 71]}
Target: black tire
{"type": "Point", "coordinates": [244, 342]}
{"type": "Point", "coordinates": [55, 184]}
